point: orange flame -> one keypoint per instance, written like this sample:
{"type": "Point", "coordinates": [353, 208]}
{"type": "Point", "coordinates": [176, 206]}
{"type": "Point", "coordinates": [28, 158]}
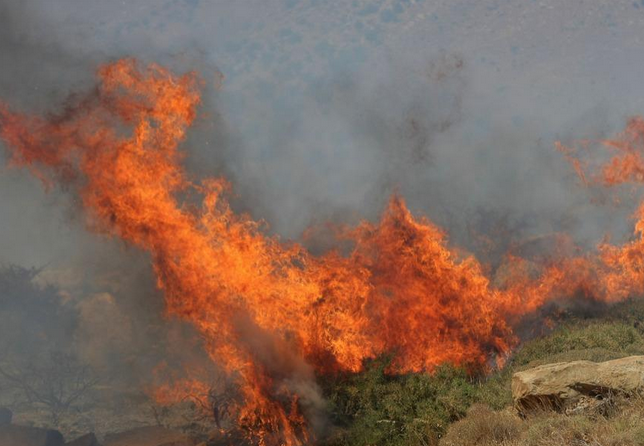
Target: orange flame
{"type": "Point", "coordinates": [270, 312]}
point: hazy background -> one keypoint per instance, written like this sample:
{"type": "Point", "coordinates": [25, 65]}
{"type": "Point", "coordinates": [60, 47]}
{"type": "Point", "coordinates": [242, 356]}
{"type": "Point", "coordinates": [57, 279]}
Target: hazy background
{"type": "Point", "coordinates": [325, 108]}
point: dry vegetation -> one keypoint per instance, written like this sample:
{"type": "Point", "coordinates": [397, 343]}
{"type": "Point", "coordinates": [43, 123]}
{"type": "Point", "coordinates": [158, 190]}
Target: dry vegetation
{"type": "Point", "coordinates": [615, 334]}
{"type": "Point", "coordinates": [485, 427]}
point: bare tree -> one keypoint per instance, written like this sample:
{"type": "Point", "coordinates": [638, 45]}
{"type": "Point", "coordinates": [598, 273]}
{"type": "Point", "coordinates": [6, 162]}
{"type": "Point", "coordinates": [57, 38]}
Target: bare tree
{"type": "Point", "coordinates": [222, 398]}
{"type": "Point", "coordinates": [58, 383]}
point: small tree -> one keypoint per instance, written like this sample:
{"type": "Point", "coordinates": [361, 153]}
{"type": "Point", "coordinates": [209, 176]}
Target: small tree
{"type": "Point", "coordinates": [58, 383]}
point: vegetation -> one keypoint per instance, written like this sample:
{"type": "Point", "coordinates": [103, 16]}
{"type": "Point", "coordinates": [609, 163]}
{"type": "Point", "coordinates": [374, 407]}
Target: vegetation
{"type": "Point", "coordinates": [376, 408]}
{"type": "Point", "coordinates": [452, 408]}
{"type": "Point", "coordinates": [58, 383]}
{"type": "Point", "coordinates": [37, 362]}
{"type": "Point", "coordinates": [485, 427]}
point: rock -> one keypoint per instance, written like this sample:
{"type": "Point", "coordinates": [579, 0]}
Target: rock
{"type": "Point", "coordinates": [5, 416]}
{"type": "Point", "coordinates": [576, 386]}
{"type": "Point", "coordinates": [149, 436]}
{"type": "Point", "coordinates": [85, 440]}
{"type": "Point", "coordinates": [12, 435]}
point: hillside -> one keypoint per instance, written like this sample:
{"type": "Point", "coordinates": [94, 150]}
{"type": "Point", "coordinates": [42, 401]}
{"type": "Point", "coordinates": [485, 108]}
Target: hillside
{"type": "Point", "coordinates": [451, 408]}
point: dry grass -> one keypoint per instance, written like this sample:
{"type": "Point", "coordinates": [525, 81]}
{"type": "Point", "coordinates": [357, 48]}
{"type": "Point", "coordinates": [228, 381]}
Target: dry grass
{"type": "Point", "coordinates": [484, 427]}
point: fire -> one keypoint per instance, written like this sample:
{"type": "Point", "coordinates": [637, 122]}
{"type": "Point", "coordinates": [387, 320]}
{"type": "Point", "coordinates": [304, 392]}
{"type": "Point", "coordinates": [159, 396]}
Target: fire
{"type": "Point", "coordinates": [271, 313]}
{"type": "Point", "coordinates": [620, 269]}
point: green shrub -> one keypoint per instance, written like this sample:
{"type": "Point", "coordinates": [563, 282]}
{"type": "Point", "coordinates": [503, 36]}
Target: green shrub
{"type": "Point", "coordinates": [494, 390]}
{"type": "Point", "coordinates": [595, 341]}
{"type": "Point", "coordinates": [374, 408]}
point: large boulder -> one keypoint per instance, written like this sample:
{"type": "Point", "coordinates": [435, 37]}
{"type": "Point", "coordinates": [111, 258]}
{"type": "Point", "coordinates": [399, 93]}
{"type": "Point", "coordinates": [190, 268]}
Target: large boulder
{"type": "Point", "coordinates": [149, 436]}
{"type": "Point", "coordinates": [12, 435]}
{"type": "Point", "coordinates": [578, 385]}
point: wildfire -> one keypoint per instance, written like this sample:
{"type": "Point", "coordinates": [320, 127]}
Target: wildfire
{"type": "Point", "coordinates": [272, 314]}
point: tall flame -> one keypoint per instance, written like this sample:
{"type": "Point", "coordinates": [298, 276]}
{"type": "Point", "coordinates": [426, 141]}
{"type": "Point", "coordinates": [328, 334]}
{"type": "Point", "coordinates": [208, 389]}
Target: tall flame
{"type": "Point", "coordinates": [270, 312]}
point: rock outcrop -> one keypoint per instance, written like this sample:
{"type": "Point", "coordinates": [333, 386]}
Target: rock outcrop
{"type": "Point", "coordinates": [577, 386]}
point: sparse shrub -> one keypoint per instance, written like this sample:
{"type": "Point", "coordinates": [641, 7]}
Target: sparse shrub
{"type": "Point", "coordinates": [482, 426]}
{"type": "Point", "coordinates": [555, 429]}
{"type": "Point", "coordinates": [58, 383]}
